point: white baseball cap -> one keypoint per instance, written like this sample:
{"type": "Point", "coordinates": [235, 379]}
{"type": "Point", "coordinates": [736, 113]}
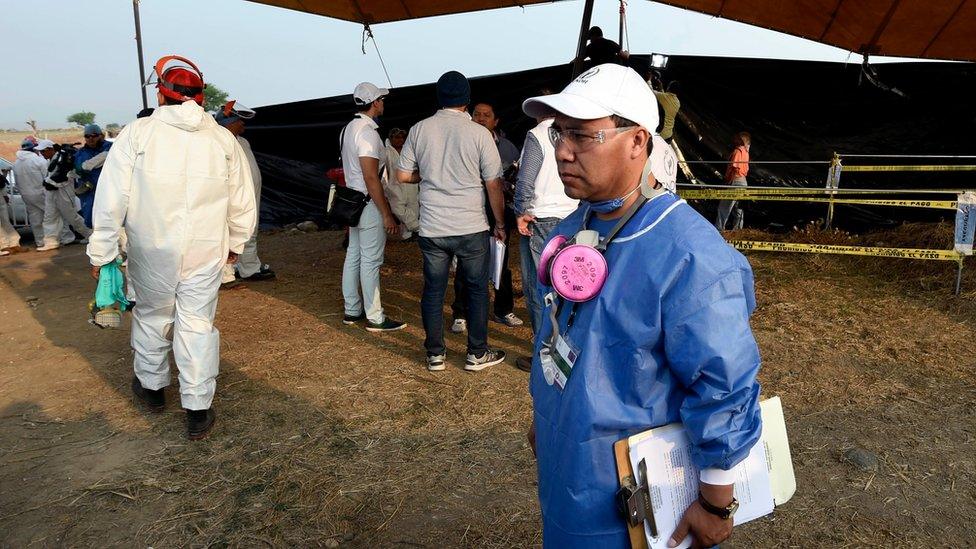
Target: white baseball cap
{"type": "Point", "coordinates": [602, 91]}
{"type": "Point", "coordinates": [366, 92]}
{"type": "Point", "coordinates": [44, 144]}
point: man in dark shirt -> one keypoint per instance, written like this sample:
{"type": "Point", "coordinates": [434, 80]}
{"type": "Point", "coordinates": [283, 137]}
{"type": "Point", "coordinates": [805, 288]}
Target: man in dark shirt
{"type": "Point", "coordinates": [484, 114]}
{"type": "Point", "coordinates": [601, 50]}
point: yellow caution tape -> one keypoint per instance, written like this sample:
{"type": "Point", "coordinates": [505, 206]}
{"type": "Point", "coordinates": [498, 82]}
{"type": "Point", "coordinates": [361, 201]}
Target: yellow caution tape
{"type": "Point", "coordinates": [903, 253]}
{"type": "Point", "coordinates": [723, 195]}
{"type": "Point", "coordinates": [949, 168]}
{"type": "Point", "coordinates": [776, 191]}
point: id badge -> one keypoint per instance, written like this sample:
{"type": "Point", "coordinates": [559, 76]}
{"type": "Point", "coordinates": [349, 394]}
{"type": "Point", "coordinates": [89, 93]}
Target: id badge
{"type": "Point", "coordinates": [564, 355]}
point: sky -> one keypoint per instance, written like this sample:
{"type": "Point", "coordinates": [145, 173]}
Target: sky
{"type": "Point", "coordinates": [65, 56]}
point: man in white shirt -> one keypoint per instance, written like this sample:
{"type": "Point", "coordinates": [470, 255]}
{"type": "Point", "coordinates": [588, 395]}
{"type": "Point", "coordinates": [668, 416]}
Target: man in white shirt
{"type": "Point", "coordinates": [363, 162]}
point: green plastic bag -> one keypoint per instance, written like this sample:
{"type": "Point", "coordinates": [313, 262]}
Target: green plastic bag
{"type": "Point", "coordinates": [111, 286]}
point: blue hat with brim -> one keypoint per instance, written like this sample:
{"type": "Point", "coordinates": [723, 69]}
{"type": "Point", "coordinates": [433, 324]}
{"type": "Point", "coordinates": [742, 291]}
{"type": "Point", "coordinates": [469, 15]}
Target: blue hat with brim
{"type": "Point", "coordinates": [93, 129]}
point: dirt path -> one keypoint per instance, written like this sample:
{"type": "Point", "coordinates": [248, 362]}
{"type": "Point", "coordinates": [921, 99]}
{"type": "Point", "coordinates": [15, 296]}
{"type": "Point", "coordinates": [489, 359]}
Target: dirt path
{"type": "Point", "coordinates": [328, 435]}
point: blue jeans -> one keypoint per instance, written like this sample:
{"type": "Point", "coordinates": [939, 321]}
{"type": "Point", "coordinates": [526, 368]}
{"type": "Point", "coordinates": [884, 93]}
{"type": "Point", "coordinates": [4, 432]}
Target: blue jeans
{"type": "Point", "coordinates": [730, 207]}
{"type": "Point", "coordinates": [473, 263]}
{"type": "Point", "coordinates": [531, 252]}
{"type": "Point", "coordinates": [87, 202]}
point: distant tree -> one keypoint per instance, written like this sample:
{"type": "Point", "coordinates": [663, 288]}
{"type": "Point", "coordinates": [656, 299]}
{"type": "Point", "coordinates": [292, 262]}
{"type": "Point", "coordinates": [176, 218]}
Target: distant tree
{"type": "Point", "coordinates": [213, 98]}
{"type": "Point", "coordinates": [33, 125]}
{"type": "Point", "coordinates": [82, 118]}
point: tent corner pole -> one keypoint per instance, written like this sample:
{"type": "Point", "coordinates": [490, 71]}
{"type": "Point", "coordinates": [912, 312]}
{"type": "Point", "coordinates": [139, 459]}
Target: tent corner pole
{"type": "Point", "coordinates": [142, 66]}
{"type": "Point", "coordinates": [581, 45]}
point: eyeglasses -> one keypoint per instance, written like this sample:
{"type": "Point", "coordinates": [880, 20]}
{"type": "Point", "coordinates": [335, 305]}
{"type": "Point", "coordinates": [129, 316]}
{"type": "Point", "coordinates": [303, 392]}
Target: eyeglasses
{"type": "Point", "coordinates": [579, 140]}
{"type": "Point", "coordinates": [89, 135]}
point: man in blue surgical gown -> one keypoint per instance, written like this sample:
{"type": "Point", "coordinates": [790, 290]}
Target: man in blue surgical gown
{"type": "Point", "coordinates": [667, 338]}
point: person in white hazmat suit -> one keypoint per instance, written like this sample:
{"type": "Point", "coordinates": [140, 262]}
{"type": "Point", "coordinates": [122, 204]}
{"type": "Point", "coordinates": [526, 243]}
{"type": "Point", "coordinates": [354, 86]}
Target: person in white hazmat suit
{"type": "Point", "coordinates": [30, 169]}
{"type": "Point", "coordinates": [248, 267]}
{"type": "Point", "coordinates": [179, 185]}
{"type": "Point", "coordinates": [60, 210]}
{"type": "Point", "coordinates": [9, 237]}
{"type": "Point", "coordinates": [404, 199]}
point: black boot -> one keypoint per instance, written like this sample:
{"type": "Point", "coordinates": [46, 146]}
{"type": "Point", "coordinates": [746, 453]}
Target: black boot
{"type": "Point", "coordinates": [199, 423]}
{"type": "Point", "coordinates": [154, 400]}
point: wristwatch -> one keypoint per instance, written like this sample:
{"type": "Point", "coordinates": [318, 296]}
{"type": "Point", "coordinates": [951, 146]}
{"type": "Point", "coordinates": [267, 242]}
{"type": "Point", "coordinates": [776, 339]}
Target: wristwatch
{"type": "Point", "coordinates": [723, 513]}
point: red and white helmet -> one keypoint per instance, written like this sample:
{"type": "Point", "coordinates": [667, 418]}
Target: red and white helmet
{"type": "Point", "coordinates": [181, 82]}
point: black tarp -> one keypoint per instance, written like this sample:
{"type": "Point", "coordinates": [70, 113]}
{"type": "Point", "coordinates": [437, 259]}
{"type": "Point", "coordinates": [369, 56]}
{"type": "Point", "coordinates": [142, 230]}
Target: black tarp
{"type": "Point", "coordinates": [795, 110]}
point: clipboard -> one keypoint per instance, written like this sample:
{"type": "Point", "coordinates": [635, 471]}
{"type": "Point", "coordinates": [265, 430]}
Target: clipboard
{"type": "Point", "coordinates": [625, 474]}
{"type": "Point", "coordinates": [634, 496]}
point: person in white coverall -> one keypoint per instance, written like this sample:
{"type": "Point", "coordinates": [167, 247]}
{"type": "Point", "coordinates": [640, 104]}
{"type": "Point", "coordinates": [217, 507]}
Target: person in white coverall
{"type": "Point", "coordinates": [9, 237]}
{"type": "Point", "coordinates": [248, 266]}
{"type": "Point", "coordinates": [404, 199]}
{"type": "Point", "coordinates": [60, 210]}
{"type": "Point", "coordinates": [30, 169]}
{"type": "Point", "coordinates": [179, 185]}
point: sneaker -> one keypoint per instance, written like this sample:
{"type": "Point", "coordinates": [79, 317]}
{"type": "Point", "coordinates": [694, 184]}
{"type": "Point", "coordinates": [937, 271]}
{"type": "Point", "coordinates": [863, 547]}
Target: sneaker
{"type": "Point", "coordinates": [348, 320]}
{"type": "Point", "coordinates": [266, 273]}
{"type": "Point", "coordinates": [490, 358]}
{"type": "Point", "coordinates": [524, 363]}
{"type": "Point", "coordinates": [48, 247]}
{"type": "Point", "coordinates": [509, 320]}
{"type": "Point", "coordinates": [388, 325]}
{"type": "Point", "coordinates": [154, 400]}
{"type": "Point", "coordinates": [435, 363]}
{"type": "Point", "coordinates": [459, 326]}
{"type": "Point", "coordinates": [230, 285]}
{"type": "Point", "coordinates": [199, 423]}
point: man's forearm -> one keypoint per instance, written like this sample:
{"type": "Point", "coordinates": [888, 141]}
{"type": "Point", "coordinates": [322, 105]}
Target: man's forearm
{"type": "Point", "coordinates": [408, 177]}
{"type": "Point", "coordinates": [718, 495]}
{"type": "Point", "coordinates": [375, 189]}
{"type": "Point", "coordinates": [496, 198]}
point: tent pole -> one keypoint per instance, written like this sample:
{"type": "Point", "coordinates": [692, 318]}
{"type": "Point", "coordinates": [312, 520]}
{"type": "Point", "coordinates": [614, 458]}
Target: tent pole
{"type": "Point", "coordinates": [620, 29]}
{"type": "Point", "coordinates": [142, 67]}
{"type": "Point", "coordinates": [581, 45]}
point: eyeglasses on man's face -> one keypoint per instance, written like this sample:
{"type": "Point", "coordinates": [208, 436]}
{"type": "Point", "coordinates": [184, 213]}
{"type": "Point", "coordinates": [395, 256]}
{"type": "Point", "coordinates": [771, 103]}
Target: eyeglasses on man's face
{"type": "Point", "coordinates": [581, 140]}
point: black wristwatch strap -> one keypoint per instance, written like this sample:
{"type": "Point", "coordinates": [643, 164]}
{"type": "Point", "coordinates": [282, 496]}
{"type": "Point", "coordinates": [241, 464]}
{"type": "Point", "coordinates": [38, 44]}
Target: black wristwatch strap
{"type": "Point", "coordinates": [723, 513]}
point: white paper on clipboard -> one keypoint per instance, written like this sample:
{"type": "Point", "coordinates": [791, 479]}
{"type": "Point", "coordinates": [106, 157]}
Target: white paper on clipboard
{"type": "Point", "coordinates": [497, 261]}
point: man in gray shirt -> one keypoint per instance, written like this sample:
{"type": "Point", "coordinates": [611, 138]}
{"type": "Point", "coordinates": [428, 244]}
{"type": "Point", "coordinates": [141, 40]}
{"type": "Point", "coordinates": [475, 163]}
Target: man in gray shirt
{"type": "Point", "coordinates": [449, 155]}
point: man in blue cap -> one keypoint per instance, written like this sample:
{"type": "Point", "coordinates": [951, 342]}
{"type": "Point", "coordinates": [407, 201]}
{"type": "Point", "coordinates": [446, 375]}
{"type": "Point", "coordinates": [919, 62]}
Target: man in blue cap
{"type": "Point", "coordinates": [454, 160]}
{"type": "Point", "coordinates": [88, 166]}
{"type": "Point", "coordinates": [661, 336]}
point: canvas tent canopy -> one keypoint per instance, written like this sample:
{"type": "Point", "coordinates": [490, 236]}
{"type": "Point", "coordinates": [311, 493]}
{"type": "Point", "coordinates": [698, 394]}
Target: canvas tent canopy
{"type": "Point", "coordinates": [903, 28]}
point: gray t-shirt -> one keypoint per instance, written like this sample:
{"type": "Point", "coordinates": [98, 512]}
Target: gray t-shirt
{"type": "Point", "coordinates": [455, 156]}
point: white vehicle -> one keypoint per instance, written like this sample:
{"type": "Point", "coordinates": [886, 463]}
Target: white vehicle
{"type": "Point", "coordinates": [17, 210]}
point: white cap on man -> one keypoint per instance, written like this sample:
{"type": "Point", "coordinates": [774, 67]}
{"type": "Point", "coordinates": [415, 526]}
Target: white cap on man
{"type": "Point", "coordinates": [44, 144]}
{"type": "Point", "coordinates": [602, 91]}
{"type": "Point", "coordinates": [366, 92]}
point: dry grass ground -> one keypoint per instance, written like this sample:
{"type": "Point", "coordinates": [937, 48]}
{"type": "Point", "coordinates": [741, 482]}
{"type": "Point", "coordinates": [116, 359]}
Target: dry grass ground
{"type": "Point", "coordinates": [329, 436]}
{"type": "Point", "coordinates": [10, 141]}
